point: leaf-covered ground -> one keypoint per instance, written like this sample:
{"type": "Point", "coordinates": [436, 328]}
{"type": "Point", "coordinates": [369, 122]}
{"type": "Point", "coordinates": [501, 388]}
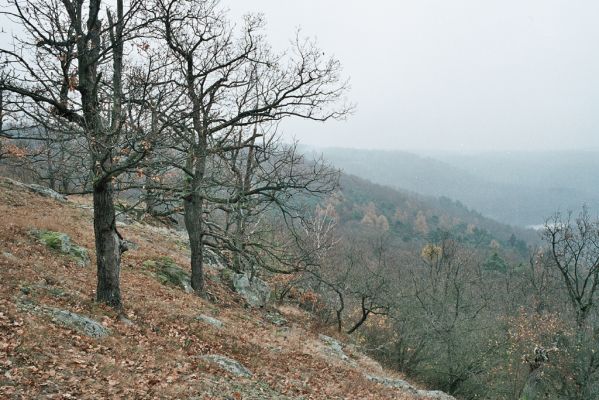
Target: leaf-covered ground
{"type": "Point", "coordinates": [155, 353]}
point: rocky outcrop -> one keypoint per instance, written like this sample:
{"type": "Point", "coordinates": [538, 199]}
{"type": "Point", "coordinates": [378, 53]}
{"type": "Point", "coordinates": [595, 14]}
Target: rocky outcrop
{"type": "Point", "coordinates": [213, 260]}
{"type": "Point", "coordinates": [78, 322]}
{"type": "Point", "coordinates": [255, 291]}
{"type": "Point", "coordinates": [229, 365]}
{"type": "Point", "coordinates": [209, 320]}
{"type": "Point", "coordinates": [393, 383]}
{"type": "Point", "coordinates": [62, 243]}
{"type": "Point", "coordinates": [434, 395]}
{"type": "Point", "coordinates": [275, 318]}
{"type": "Point", "coordinates": [68, 319]}
{"type": "Point", "coordinates": [334, 347]}
{"type": "Point", "coordinates": [38, 189]}
{"type": "Point", "coordinates": [169, 273]}
{"type": "Point", "coordinates": [406, 387]}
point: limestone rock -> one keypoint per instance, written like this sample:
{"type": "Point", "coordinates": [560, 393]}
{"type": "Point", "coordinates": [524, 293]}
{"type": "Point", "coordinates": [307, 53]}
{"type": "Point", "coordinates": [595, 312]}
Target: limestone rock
{"type": "Point", "coordinates": [209, 320]}
{"type": "Point", "coordinates": [169, 273]}
{"type": "Point", "coordinates": [213, 260]}
{"type": "Point", "coordinates": [69, 319]}
{"type": "Point", "coordinates": [10, 257]}
{"type": "Point", "coordinates": [79, 322]}
{"type": "Point", "coordinates": [393, 383]}
{"type": "Point", "coordinates": [55, 240]}
{"type": "Point", "coordinates": [256, 292]}
{"type": "Point", "coordinates": [275, 318]}
{"type": "Point", "coordinates": [406, 387]}
{"type": "Point", "coordinates": [435, 395]}
{"type": "Point", "coordinates": [229, 365]}
{"type": "Point", "coordinates": [62, 243]}
{"type": "Point", "coordinates": [38, 189]}
{"type": "Point", "coordinates": [334, 347]}
{"type": "Point", "coordinates": [46, 192]}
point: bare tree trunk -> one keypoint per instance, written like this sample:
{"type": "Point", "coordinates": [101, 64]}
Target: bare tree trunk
{"type": "Point", "coordinates": [363, 318]}
{"type": "Point", "coordinates": [150, 193]}
{"type": "Point", "coordinates": [108, 249]}
{"type": "Point", "coordinates": [244, 184]}
{"type": "Point", "coordinates": [83, 38]}
{"type": "Point", "coordinates": [50, 163]}
{"type": "Point", "coordinates": [339, 310]}
{"type": "Point", "coordinates": [238, 242]}
{"type": "Point", "coordinates": [193, 205]}
{"type": "Point", "coordinates": [1, 119]}
{"type": "Point", "coordinates": [1, 110]}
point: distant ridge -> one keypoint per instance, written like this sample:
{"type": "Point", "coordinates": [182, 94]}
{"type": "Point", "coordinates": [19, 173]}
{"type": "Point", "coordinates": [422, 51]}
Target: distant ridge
{"type": "Point", "coordinates": [515, 188]}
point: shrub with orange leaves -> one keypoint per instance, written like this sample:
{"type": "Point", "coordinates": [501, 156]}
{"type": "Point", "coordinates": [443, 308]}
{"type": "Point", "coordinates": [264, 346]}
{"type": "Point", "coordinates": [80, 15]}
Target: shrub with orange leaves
{"type": "Point", "coordinates": [13, 151]}
{"type": "Point", "coordinates": [310, 300]}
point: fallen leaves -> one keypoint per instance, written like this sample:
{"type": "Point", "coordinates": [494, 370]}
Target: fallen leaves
{"type": "Point", "coordinates": [157, 356]}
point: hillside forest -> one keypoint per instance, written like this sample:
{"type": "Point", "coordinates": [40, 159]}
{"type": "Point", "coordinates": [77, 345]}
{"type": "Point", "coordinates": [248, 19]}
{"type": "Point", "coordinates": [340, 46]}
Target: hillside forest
{"type": "Point", "coordinates": [167, 112]}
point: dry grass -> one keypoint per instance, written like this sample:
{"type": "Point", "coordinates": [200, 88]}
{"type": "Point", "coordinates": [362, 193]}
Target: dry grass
{"type": "Point", "coordinates": [158, 356]}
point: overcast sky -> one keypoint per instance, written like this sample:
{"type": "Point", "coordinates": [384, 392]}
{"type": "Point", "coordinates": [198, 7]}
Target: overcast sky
{"type": "Point", "coordinates": [452, 74]}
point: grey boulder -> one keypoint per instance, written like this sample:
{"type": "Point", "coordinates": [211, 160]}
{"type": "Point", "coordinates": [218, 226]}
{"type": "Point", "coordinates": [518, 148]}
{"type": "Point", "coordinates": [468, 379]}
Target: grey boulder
{"type": "Point", "coordinates": [229, 365]}
{"type": "Point", "coordinates": [255, 292]}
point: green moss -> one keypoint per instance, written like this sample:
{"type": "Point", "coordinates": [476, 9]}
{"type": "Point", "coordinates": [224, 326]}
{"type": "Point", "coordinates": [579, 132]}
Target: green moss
{"type": "Point", "coordinates": [80, 255]}
{"type": "Point", "coordinates": [226, 275]}
{"type": "Point", "coordinates": [149, 264]}
{"type": "Point", "coordinates": [165, 262]}
{"type": "Point", "coordinates": [56, 240]}
{"type": "Point", "coordinates": [56, 292]}
{"type": "Point", "coordinates": [166, 270]}
{"type": "Point", "coordinates": [172, 275]}
{"type": "Point", "coordinates": [61, 242]}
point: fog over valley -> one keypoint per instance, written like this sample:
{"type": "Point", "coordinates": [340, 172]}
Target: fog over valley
{"type": "Point", "coordinates": [519, 188]}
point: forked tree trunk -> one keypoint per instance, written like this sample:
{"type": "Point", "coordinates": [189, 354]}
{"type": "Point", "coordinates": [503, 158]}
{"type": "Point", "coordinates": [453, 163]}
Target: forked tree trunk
{"type": "Point", "coordinates": [108, 249]}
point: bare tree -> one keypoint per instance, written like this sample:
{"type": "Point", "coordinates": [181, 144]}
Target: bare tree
{"type": "Point", "coordinates": [452, 305]}
{"type": "Point", "coordinates": [267, 214]}
{"type": "Point", "coordinates": [574, 251]}
{"type": "Point", "coordinates": [574, 246]}
{"type": "Point", "coordinates": [232, 81]}
{"type": "Point", "coordinates": [71, 65]}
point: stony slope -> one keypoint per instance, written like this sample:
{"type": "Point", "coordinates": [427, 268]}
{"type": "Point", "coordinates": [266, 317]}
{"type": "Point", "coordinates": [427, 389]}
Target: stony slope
{"type": "Point", "coordinates": [55, 342]}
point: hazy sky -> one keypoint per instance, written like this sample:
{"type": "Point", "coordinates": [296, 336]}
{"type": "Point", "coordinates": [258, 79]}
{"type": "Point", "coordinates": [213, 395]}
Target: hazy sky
{"type": "Point", "coordinates": [452, 74]}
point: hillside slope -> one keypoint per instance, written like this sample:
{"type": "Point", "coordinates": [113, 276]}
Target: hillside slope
{"type": "Point", "coordinates": [520, 189]}
{"type": "Point", "coordinates": [403, 209]}
{"type": "Point", "coordinates": [158, 348]}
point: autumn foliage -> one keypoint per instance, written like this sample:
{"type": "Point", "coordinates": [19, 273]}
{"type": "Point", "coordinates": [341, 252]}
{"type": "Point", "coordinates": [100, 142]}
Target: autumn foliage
{"type": "Point", "coordinates": [155, 352]}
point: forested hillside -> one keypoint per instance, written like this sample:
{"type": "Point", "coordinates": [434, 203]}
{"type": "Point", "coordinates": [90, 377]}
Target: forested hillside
{"type": "Point", "coordinates": [516, 188]}
{"type": "Point", "coordinates": [458, 301]}
{"type": "Point", "coordinates": [411, 216]}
